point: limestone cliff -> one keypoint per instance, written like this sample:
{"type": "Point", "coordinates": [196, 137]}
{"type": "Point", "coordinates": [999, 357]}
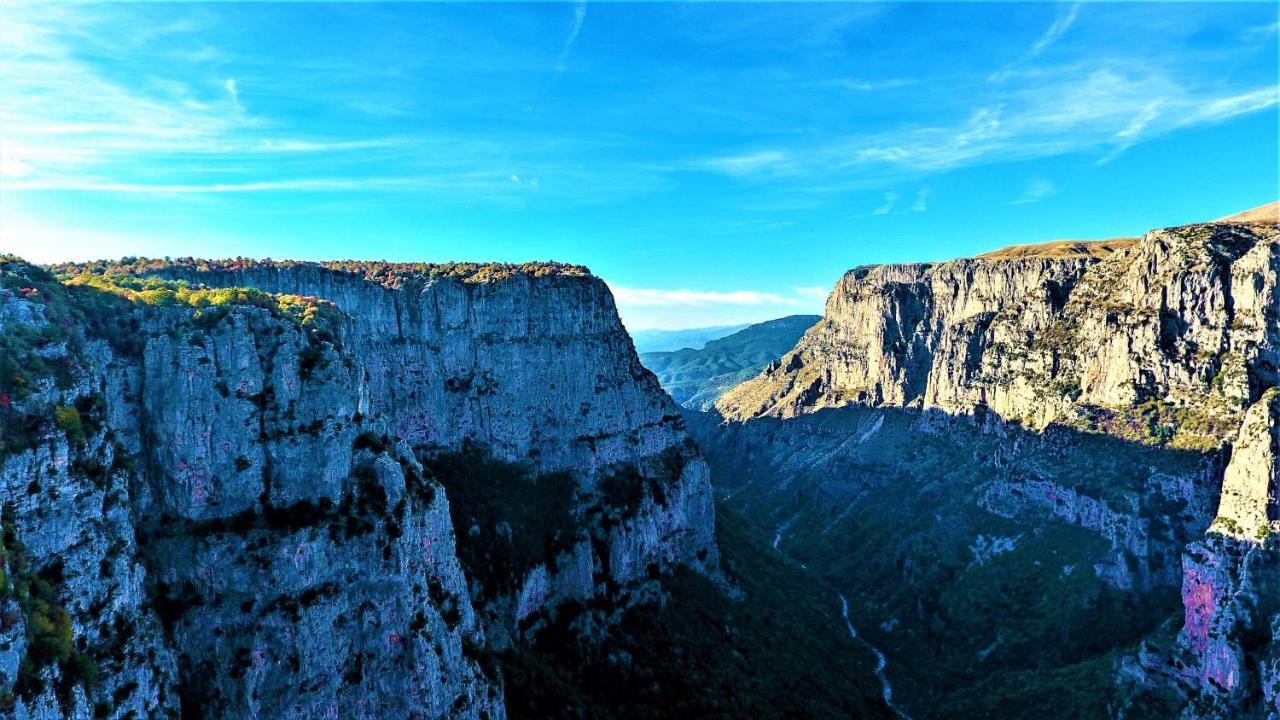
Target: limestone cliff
{"type": "Point", "coordinates": [1165, 340]}
{"type": "Point", "coordinates": [1225, 660]}
{"type": "Point", "coordinates": [1249, 503]}
{"type": "Point", "coordinates": [222, 491]}
{"type": "Point", "coordinates": [1171, 341]}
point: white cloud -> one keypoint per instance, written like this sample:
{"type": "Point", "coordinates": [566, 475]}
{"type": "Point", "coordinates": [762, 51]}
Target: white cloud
{"type": "Point", "coordinates": [1037, 189]}
{"type": "Point", "coordinates": [288, 145]}
{"type": "Point", "coordinates": [1260, 33]}
{"type": "Point", "coordinates": [1230, 106]}
{"type": "Point", "coordinates": [579, 17]}
{"type": "Point", "coordinates": [872, 85]}
{"type": "Point", "coordinates": [1085, 107]}
{"type": "Point", "coordinates": [234, 94]}
{"type": "Point", "coordinates": [179, 188]}
{"type": "Point", "coordinates": [816, 292]}
{"type": "Point", "coordinates": [1063, 22]}
{"type": "Point", "coordinates": [763, 161]}
{"type": "Point", "coordinates": [469, 185]}
{"type": "Point", "coordinates": [650, 297]}
{"type": "Point", "coordinates": [922, 201]}
{"type": "Point", "coordinates": [890, 199]}
{"type": "Point", "coordinates": [649, 308]}
{"type": "Point", "coordinates": [69, 123]}
{"type": "Point", "coordinates": [1141, 121]}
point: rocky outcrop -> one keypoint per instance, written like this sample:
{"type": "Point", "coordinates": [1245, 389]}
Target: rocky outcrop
{"type": "Point", "coordinates": [216, 500]}
{"type": "Point", "coordinates": [1171, 341]}
{"type": "Point", "coordinates": [898, 334]}
{"type": "Point", "coordinates": [1225, 661]}
{"type": "Point", "coordinates": [1166, 340]}
{"type": "Point", "coordinates": [1249, 505]}
{"type": "Point", "coordinates": [1145, 549]}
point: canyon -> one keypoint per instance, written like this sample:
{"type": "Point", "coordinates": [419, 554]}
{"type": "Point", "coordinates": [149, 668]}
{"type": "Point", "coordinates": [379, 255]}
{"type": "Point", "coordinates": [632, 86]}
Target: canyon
{"type": "Point", "coordinates": [1044, 477]}
{"type": "Point", "coordinates": [257, 489]}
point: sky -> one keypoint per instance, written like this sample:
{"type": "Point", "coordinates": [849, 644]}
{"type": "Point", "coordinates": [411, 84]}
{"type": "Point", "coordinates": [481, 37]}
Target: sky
{"type": "Point", "coordinates": [715, 163]}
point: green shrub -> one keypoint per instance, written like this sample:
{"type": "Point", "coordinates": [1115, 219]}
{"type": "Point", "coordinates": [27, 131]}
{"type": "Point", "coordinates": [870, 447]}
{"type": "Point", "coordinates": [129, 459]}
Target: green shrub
{"type": "Point", "coordinates": [49, 631]}
{"type": "Point", "coordinates": [68, 420]}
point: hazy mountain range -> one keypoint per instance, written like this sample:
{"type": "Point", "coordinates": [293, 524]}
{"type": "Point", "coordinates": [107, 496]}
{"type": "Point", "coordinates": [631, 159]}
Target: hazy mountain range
{"type": "Point", "coordinates": [647, 341]}
{"type": "Point", "coordinates": [696, 377]}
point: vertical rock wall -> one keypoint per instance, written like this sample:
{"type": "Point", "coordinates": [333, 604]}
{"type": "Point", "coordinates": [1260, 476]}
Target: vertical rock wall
{"type": "Point", "coordinates": [239, 521]}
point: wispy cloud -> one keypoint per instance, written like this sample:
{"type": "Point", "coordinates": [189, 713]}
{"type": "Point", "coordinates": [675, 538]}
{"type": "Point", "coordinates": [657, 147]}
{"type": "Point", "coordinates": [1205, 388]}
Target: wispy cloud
{"type": "Point", "coordinates": [579, 17]}
{"type": "Point", "coordinates": [71, 119]}
{"type": "Point", "coordinates": [107, 98]}
{"type": "Point", "coordinates": [233, 93]}
{"type": "Point", "coordinates": [1260, 33]}
{"type": "Point", "coordinates": [922, 200]}
{"type": "Point", "coordinates": [1030, 114]}
{"type": "Point", "coordinates": [645, 308]}
{"type": "Point", "coordinates": [1131, 133]}
{"type": "Point", "coordinates": [649, 297]}
{"type": "Point", "coordinates": [1063, 22]}
{"type": "Point", "coordinates": [1037, 189]}
{"type": "Point", "coordinates": [772, 162]}
{"type": "Point", "coordinates": [816, 292]}
{"type": "Point", "coordinates": [863, 86]}
{"type": "Point", "coordinates": [1229, 106]}
{"type": "Point", "coordinates": [890, 206]}
{"type": "Point", "coordinates": [890, 199]}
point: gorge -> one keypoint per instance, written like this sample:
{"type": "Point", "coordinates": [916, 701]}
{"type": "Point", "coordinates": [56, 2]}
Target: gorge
{"type": "Point", "coordinates": [1038, 478]}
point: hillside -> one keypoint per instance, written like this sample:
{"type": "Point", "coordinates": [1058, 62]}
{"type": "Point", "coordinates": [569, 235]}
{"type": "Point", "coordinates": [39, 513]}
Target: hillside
{"type": "Point", "coordinates": [1000, 572]}
{"type": "Point", "coordinates": [695, 378]}
{"type": "Point", "coordinates": [1266, 213]}
{"type": "Point", "coordinates": [1061, 249]}
{"type": "Point", "coordinates": [1082, 444]}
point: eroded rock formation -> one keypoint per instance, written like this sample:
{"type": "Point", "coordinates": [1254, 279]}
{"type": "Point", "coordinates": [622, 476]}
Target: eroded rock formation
{"type": "Point", "coordinates": [1171, 337]}
{"type": "Point", "coordinates": [224, 502]}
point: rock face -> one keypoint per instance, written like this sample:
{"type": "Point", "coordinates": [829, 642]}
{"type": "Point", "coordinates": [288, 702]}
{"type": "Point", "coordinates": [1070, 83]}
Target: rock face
{"type": "Point", "coordinates": [216, 501]}
{"type": "Point", "coordinates": [1249, 502]}
{"type": "Point", "coordinates": [1225, 662]}
{"type": "Point", "coordinates": [1170, 342]}
{"type": "Point", "coordinates": [1171, 337]}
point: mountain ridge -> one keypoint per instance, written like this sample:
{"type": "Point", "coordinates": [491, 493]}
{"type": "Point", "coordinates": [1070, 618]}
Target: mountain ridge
{"type": "Point", "coordinates": [697, 377]}
{"type": "Point", "coordinates": [1169, 346]}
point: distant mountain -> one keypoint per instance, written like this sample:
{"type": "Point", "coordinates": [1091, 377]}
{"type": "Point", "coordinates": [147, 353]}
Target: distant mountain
{"type": "Point", "coordinates": [647, 341]}
{"type": "Point", "coordinates": [696, 377]}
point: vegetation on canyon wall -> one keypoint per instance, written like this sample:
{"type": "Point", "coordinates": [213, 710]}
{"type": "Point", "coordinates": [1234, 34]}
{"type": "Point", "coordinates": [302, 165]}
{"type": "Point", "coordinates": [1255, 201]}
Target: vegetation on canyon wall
{"type": "Point", "coordinates": [768, 642]}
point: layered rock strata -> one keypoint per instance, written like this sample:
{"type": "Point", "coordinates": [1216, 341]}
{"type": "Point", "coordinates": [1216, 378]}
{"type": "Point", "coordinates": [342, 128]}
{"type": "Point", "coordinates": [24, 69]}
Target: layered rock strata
{"type": "Point", "coordinates": [1166, 340]}
{"type": "Point", "coordinates": [215, 501]}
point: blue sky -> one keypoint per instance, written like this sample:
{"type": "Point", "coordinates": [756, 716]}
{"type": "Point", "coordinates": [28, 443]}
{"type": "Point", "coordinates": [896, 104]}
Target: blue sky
{"type": "Point", "coordinates": [715, 163]}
